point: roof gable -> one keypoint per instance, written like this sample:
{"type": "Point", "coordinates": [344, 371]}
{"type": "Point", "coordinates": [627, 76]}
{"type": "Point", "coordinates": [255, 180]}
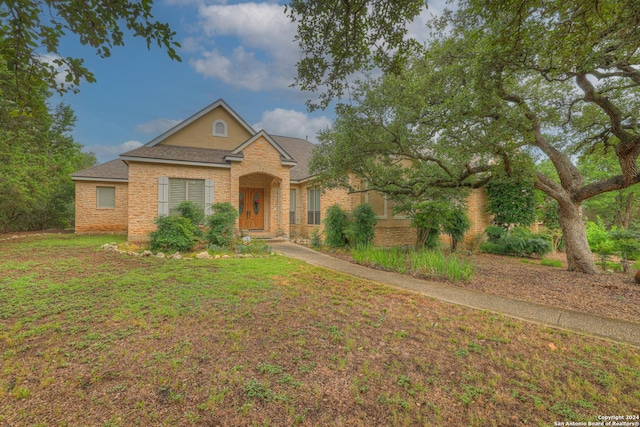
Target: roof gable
{"type": "Point", "coordinates": [237, 155]}
{"type": "Point", "coordinates": [196, 131]}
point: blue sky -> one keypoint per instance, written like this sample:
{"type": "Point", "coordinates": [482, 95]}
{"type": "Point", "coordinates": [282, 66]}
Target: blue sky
{"type": "Point", "coordinates": [242, 52]}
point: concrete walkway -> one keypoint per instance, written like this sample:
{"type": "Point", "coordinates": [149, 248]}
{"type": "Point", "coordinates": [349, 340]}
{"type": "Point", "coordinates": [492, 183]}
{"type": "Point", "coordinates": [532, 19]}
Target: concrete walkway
{"type": "Point", "coordinates": [611, 329]}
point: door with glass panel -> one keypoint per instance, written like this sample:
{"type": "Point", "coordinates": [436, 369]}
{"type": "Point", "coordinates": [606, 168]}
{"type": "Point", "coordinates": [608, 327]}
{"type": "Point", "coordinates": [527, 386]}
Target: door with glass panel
{"type": "Point", "coordinates": [251, 208]}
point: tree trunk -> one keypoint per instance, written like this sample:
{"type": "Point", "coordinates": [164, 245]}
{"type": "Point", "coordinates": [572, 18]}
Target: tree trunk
{"type": "Point", "coordinates": [579, 256]}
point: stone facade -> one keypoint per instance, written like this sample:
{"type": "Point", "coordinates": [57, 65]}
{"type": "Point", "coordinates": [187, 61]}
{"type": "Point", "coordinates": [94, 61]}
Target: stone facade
{"type": "Point", "coordinates": [91, 219]}
{"type": "Point", "coordinates": [143, 192]}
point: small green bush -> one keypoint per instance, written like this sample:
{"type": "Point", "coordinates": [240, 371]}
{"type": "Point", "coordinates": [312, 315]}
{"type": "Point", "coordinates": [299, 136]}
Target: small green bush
{"type": "Point", "coordinates": [335, 224]}
{"type": "Point", "coordinates": [192, 211]}
{"type": "Point", "coordinates": [174, 234]}
{"type": "Point", "coordinates": [256, 246]}
{"type": "Point", "coordinates": [519, 242]}
{"type": "Point", "coordinates": [316, 239]}
{"type": "Point", "coordinates": [360, 230]}
{"type": "Point", "coordinates": [457, 224]}
{"type": "Point", "coordinates": [495, 233]}
{"type": "Point", "coordinates": [222, 225]}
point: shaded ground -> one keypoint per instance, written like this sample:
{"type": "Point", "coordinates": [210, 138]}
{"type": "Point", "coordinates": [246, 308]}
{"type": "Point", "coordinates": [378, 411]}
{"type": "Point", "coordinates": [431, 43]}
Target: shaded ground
{"type": "Point", "coordinates": [609, 294]}
{"type": "Point", "coordinates": [613, 295]}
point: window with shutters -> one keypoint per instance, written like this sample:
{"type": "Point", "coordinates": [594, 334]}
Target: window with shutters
{"type": "Point", "coordinates": [106, 197]}
{"type": "Point", "coordinates": [181, 190]}
{"type": "Point", "coordinates": [219, 128]}
{"type": "Point", "coordinates": [313, 206]}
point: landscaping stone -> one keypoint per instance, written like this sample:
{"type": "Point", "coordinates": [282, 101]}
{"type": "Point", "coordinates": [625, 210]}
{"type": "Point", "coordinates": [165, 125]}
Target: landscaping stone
{"type": "Point", "coordinates": [159, 255]}
{"type": "Point", "coordinates": [147, 253]}
{"type": "Point", "coordinates": [203, 255]}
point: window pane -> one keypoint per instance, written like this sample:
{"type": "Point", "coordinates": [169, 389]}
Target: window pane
{"type": "Point", "coordinates": [195, 189]}
{"type": "Point", "coordinates": [106, 197]}
{"type": "Point", "coordinates": [177, 193]}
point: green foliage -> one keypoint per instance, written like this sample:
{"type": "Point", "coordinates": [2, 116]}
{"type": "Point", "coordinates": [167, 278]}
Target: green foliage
{"type": "Point", "coordinates": [190, 210]}
{"type": "Point", "coordinates": [316, 239]}
{"type": "Point", "coordinates": [518, 242]}
{"type": "Point", "coordinates": [360, 230]}
{"type": "Point", "coordinates": [37, 156]}
{"type": "Point", "coordinates": [28, 24]}
{"type": "Point", "coordinates": [551, 262]}
{"type": "Point", "coordinates": [627, 243]}
{"type": "Point", "coordinates": [456, 226]}
{"type": "Point", "coordinates": [222, 225]}
{"type": "Point", "coordinates": [511, 201]}
{"type": "Point", "coordinates": [423, 263]}
{"type": "Point", "coordinates": [174, 234]}
{"type": "Point", "coordinates": [335, 223]}
{"type": "Point", "coordinates": [257, 246]}
{"type": "Point", "coordinates": [497, 81]}
{"type": "Point", "coordinates": [436, 216]}
{"type": "Point", "coordinates": [495, 233]}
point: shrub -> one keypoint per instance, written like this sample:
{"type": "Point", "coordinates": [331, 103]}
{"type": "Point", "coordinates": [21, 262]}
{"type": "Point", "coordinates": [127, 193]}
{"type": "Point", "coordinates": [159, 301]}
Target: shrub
{"type": "Point", "coordinates": [495, 233]}
{"type": "Point", "coordinates": [174, 234]}
{"type": "Point", "coordinates": [192, 211]}
{"type": "Point", "coordinates": [222, 225]}
{"type": "Point", "coordinates": [360, 229]}
{"type": "Point", "coordinates": [519, 242]}
{"type": "Point", "coordinates": [316, 239]}
{"type": "Point", "coordinates": [335, 224]}
{"type": "Point", "coordinates": [458, 223]}
{"type": "Point", "coordinates": [627, 243]}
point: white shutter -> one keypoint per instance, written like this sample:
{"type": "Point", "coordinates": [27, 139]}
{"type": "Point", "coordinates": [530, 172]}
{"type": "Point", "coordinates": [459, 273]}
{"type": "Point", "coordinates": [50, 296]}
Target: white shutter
{"type": "Point", "coordinates": [163, 195]}
{"type": "Point", "coordinates": [208, 196]}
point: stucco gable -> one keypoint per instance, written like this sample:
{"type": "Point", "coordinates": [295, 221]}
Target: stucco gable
{"type": "Point", "coordinates": [198, 130]}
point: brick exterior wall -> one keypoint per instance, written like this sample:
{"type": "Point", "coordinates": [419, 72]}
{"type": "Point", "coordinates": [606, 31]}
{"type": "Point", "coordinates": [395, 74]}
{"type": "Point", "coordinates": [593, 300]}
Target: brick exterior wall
{"type": "Point", "coordinates": [143, 192]}
{"type": "Point", "coordinates": [391, 230]}
{"type": "Point", "coordinates": [91, 219]}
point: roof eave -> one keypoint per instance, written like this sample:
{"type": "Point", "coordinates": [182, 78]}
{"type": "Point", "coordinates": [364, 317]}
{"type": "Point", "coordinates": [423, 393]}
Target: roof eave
{"type": "Point", "coordinates": [174, 162]}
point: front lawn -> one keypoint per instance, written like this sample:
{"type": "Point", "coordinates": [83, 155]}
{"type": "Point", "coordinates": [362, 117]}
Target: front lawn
{"type": "Point", "coordinates": [97, 338]}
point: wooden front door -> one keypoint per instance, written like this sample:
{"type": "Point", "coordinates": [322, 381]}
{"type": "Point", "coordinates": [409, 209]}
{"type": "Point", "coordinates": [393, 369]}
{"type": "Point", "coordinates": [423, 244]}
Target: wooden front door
{"type": "Point", "coordinates": [251, 208]}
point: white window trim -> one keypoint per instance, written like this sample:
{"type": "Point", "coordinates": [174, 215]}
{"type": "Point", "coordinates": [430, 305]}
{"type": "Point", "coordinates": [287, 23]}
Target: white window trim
{"type": "Point", "coordinates": [385, 205]}
{"type": "Point", "coordinates": [221, 134]}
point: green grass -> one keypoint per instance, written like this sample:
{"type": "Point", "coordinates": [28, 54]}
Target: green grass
{"type": "Point", "coordinates": [426, 263]}
{"type": "Point", "coordinates": [90, 337]}
{"type": "Point", "coordinates": [551, 262]}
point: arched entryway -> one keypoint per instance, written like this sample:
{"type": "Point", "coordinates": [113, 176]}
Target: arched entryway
{"type": "Point", "coordinates": [258, 203]}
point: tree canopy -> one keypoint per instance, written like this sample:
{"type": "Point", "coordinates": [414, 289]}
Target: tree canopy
{"type": "Point", "coordinates": [500, 82]}
{"type": "Point", "coordinates": [32, 31]}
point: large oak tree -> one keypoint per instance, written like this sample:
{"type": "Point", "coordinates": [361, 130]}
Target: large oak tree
{"type": "Point", "coordinates": [552, 79]}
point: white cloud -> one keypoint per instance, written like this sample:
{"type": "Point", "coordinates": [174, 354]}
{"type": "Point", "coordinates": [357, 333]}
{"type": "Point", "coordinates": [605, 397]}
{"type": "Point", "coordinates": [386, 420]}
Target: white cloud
{"type": "Point", "coordinates": [156, 126]}
{"type": "Point", "coordinates": [292, 123]}
{"type": "Point", "coordinates": [265, 54]}
{"type": "Point", "coordinates": [105, 153]}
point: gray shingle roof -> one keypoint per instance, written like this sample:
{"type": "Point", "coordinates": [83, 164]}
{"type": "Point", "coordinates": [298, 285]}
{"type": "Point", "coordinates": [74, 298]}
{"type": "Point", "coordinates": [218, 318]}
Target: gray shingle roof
{"type": "Point", "coordinates": [299, 149]}
{"type": "Point", "coordinates": [183, 154]}
{"type": "Point", "coordinates": [114, 169]}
